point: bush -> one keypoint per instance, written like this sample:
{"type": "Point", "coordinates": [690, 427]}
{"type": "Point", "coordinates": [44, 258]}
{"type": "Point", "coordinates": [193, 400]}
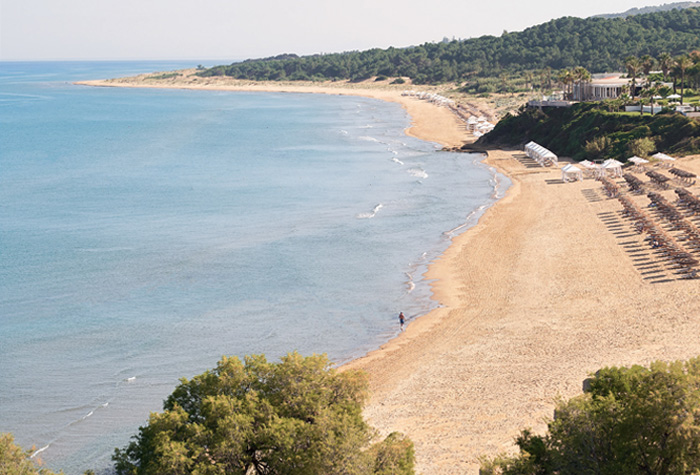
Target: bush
{"type": "Point", "coordinates": [15, 461]}
{"type": "Point", "coordinates": [398, 81]}
{"type": "Point", "coordinates": [641, 147]}
{"type": "Point", "coordinates": [629, 421]}
{"type": "Point", "coordinates": [598, 147]}
{"type": "Point", "coordinates": [255, 417]}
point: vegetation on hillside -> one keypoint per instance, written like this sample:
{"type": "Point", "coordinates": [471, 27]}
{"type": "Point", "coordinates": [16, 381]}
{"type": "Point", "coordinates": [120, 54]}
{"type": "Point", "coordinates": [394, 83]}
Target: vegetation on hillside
{"type": "Point", "coordinates": [567, 131]}
{"type": "Point", "coordinates": [657, 8]}
{"type": "Point", "coordinates": [256, 417]}
{"type": "Point", "coordinates": [597, 44]}
{"type": "Point", "coordinates": [628, 421]}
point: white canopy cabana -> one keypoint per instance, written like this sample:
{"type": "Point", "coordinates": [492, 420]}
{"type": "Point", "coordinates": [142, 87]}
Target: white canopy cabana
{"type": "Point", "coordinates": [609, 167]}
{"type": "Point", "coordinates": [540, 154]}
{"type": "Point", "coordinates": [571, 173]}
{"type": "Point", "coordinates": [589, 167]}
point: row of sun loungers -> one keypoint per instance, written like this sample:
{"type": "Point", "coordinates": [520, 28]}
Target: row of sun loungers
{"type": "Point", "coordinates": [669, 212]}
{"type": "Point", "coordinates": [689, 200]}
{"type": "Point", "coordinates": [610, 187]}
{"type": "Point", "coordinates": [659, 239]}
{"type": "Point", "coordinates": [634, 183]}
{"type": "Point", "coordinates": [658, 179]}
{"type": "Point", "coordinates": [684, 178]}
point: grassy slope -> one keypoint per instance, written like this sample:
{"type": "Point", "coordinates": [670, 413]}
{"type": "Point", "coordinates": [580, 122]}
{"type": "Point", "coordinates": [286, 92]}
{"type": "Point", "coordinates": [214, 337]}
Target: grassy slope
{"type": "Point", "coordinates": [565, 131]}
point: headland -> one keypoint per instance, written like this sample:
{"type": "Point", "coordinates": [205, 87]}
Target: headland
{"type": "Point", "coordinates": [552, 284]}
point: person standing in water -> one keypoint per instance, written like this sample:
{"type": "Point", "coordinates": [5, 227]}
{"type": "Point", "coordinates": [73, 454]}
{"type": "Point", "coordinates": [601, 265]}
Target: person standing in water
{"type": "Point", "coordinates": [402, 320]}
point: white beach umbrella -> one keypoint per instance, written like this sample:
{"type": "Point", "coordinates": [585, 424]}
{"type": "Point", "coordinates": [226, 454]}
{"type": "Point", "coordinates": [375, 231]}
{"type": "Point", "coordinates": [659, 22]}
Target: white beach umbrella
{"type": "Point", "coordinates": [637, 160]}
{"type": "Point", "coordinates": [611, 163]}
{"type": "Point", "coordinates": [663, 156]}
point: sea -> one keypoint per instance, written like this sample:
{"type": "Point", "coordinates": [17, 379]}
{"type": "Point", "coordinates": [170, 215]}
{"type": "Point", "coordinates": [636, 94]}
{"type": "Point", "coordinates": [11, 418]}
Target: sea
{"type": "Point", "coordinates": [145, 233]}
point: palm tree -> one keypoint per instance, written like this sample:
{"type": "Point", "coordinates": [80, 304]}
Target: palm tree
{"type": "Point", "coordinates": [581, 76]}
{"type": "Point", "coordinates": [633, 66]}
{"type": "Point", "coordinates": [683, 62]}
{"type": "Point", "coordinates": [566, 78]}
{"type": "Point", "coordinates": [650, 91]}
{"type": "Point", "coordinates": [547, 73]}
{"type": "Point", "coordinates": [641, 103]}
{"type": "Point", "coordinates": [647, 63]}
{"type": "Point", "coordinates": [665, 63]}
{"type": "Point", "coordinates": [624, 99]}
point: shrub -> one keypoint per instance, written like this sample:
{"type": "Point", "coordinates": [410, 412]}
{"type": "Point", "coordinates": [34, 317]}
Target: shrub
{"type": "Point", "coordinates": [629, 421]}
{"type": "Point", "coordinates": [15, 461]}
{"type": "Point", "coordinates": [255, 417]}
{"type": "Point", "coordinates": [641, 147]}
{"type": "Point", "coordinates": [598, 147]}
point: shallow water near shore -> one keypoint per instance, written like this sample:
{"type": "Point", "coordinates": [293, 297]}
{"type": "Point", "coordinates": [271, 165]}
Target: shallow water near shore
{"type": "Point", "coordinates": [145, 233]}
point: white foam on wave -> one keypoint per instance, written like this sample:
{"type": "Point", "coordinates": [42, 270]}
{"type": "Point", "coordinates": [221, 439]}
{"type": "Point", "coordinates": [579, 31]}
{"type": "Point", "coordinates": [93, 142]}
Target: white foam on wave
{"type": "Point", "coordinates": [418, 172]}
{"type": "Point", "coordinates": [70, 424]}
{"type": "Point", "coordinates": [367, 138]}
{"type": "Point", "coordinates": [410, 285]}
{"type": "Point", "coordinates": [368, 126]}
{"type": "Point", "coordinates": [39, 451]}
{"type": "Point", "coordinates": [89, 414]}
{"type": "Point", "coordinates": [467, 223]}
{"type": "Point", "coordinates": [131, 379]}
{"type": "Point", "coordinates": [497, 192]}
{"type": "Point", "coordinates": [371, 214]}
{"type": "Point", "coordinates": [396, 160]}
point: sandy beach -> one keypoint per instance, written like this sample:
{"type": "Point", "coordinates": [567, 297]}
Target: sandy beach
{"type": "Point", "coordinates": [429, 122]}
{"type": "Point", "coordinates": [552, 284]}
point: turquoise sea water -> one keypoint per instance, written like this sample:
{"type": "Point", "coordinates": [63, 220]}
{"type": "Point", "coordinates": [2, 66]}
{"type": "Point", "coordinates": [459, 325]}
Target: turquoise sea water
{"type": "Point", "coordinates": [145, 233]}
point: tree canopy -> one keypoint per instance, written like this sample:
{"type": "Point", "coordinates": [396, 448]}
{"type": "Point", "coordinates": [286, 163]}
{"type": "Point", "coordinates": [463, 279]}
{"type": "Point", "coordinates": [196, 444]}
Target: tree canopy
{"type": "Point", "coordinates": [629, 421]}
{"type": "Point", "coordinates": [15, 461]}
{"type": "Point", "coordinates": [596, 44]}
{"type": "Point", "coordinates": [297, 416]}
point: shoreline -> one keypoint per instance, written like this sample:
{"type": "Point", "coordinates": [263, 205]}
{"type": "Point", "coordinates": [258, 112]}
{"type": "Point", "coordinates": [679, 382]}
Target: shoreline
{"type": "Point", "coordinates": [429, 122]}
{"type": "Point", "coordinates": [541, 292]}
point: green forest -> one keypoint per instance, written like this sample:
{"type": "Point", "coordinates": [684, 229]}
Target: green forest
{"type": "Point", "coordinates": [571, 131]}
{"type": "Point", "coordinates": [597, 44]}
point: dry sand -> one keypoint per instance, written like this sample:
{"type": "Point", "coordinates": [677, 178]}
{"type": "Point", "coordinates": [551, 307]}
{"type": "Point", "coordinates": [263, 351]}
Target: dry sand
{"type": "Point", "coordinates": [551, 285]}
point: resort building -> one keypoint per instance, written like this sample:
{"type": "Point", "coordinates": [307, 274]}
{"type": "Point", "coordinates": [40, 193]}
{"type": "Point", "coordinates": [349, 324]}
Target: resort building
{"type": "Point", "coordinates": [604, 88]}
